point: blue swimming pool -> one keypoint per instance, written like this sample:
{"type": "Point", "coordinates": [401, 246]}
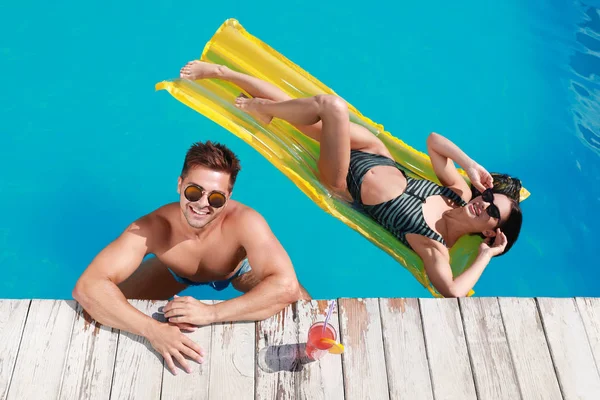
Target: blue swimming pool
{"type": "Point", "coordinates": [86, 145]}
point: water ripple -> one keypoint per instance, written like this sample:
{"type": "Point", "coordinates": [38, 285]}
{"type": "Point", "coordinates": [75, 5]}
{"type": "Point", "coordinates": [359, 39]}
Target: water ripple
{"type": "Point", "coordinates": [585, 65]}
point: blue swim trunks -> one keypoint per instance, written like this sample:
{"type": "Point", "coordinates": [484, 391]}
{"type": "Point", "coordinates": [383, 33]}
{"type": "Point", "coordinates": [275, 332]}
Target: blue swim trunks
{"type": "Point", "coordinates": [217, 285]}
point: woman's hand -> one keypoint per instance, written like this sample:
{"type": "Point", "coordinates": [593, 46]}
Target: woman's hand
{"type": "Point", "coordinates": [187, 310]}
{"type": "Point", "coordinates": [479, 177]}
{"type": "Point", "coordinates": [498, 246]}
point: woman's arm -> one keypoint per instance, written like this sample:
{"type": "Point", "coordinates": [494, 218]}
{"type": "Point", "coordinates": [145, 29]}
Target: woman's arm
{"type": "Point", "coordinates": [436, 261]}
{"type": "Point", "coordinates": [444, 154]}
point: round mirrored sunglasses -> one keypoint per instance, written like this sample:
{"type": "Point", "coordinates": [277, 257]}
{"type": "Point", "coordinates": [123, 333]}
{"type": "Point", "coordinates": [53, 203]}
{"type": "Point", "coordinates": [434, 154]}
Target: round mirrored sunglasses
{"type": "Point", "coordinates": [216, 199]}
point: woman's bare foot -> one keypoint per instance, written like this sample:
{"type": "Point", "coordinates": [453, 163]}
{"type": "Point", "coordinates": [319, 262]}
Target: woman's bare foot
{"type": "Point", "coordinates": [195, 70]}
{"type": "Point", "coordinates": [251, 106]}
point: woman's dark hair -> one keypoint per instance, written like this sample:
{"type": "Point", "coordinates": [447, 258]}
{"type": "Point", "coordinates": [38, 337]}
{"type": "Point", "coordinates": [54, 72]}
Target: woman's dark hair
{"type": "Point", "coordinates": [512, 226]}
{"type": "Point", "coordinates": [511, 188]}
{"type": "Point", "coordinates": [503, 184]}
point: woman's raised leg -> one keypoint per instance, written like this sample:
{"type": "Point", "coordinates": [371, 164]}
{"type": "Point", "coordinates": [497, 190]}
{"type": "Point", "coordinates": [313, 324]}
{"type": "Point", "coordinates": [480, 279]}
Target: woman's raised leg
{"type": "Point", "coordinates": [360, 137]}
{"type": "Point", "coordinates": [332, 112]}
{"type": "Point", "coordinates": [195, 70]}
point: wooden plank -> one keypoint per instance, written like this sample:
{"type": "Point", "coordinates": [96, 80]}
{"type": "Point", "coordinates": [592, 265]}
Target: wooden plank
{"type": "Point", "coordinates": [232, 365]}
{"type": "Point", "coordinates": [89, 367]}
{"type": "Point", "coordinates": [405, 354]}
{"type": "Point", "coordinates": [589, 309]}
{"type": "Point", "coordinates": [12, 322]}
{"type": "Point", "coordinates": [573, 360]}
{"type": "Point", "coordinates": [43, 351]}
{"type": "Point", "coordinates": [491, 360]}
{"type": "Point", "coordinates": [365, 375]}
{"type": "Point", "coordinates": [451, 374]}
{"type": "Point", "coordinates": [277, 355]}
{"type": "Point", "coordinates": [138, 369]}
{"type": "Point", "coordinates": [195, 384]}
{"type": "Point", "coordinates": [320, 379]}
{"type": "Point", "coordinates": [530, 353]}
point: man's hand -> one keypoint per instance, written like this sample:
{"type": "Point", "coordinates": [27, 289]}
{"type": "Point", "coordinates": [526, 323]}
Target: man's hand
{"type": "Point", "coordinates": [185, 327]}
{"type": "Point", "coordinates": [188, 310]}
{"type": "Point", "coordinates": [171, 343]}
{"type": "Point", "coordinates": [498, 246]}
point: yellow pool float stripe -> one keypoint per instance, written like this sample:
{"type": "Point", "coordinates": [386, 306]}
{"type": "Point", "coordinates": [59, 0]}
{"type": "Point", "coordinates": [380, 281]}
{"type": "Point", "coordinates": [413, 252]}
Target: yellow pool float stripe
{"type": "Point", "coordinates": [295, 154]}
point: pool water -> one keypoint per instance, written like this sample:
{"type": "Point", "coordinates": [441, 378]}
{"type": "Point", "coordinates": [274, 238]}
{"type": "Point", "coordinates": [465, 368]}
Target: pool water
{"type": "Point", "coordinates": [87, 145]}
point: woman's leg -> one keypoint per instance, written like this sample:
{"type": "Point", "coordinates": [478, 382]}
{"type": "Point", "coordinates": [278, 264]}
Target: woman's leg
{"type": "Point", "coordinates": [332, 112]}
{"type": "Point", "coordinates": [360, 137]}
{"type": "Point", "coordinates": [195, 70]}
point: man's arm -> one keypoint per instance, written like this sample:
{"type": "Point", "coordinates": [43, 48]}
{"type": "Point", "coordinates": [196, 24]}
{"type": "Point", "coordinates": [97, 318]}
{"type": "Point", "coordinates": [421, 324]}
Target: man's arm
{"type": "Point", "coordinates": [98, 293]}
{"type": "Point", "coordinates": [278, 285]}
{"type": "Point", "coordinates": [97, 290]}
{"type": "Point", "coordinates": [436, 261]}
{"type": "Point", "coordinates": [277, 289]}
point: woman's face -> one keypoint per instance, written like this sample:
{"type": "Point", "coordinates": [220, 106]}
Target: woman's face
{"type": "Point", "coordinates": [479, 214]}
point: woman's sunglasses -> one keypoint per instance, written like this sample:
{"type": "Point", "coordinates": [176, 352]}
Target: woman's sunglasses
{"type": "Point", "coordinates": [215, 198]}
{"type": "Point", "coordinates": [492, 210]}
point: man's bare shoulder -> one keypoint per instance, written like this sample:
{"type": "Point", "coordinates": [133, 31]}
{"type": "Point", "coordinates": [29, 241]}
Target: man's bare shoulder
{"type": "Point", "coordinates": [156, 225]}
{"type": "Point", "coordinates": [245, 220]}
{"type": "Point", "coordinates": [249, 228]}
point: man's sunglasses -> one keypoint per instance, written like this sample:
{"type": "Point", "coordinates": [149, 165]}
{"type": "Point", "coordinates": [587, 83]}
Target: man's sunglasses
{"type": "Point", "coordinates": [215, 198]}
{"type": "Point", "coordinates": [492, 210]}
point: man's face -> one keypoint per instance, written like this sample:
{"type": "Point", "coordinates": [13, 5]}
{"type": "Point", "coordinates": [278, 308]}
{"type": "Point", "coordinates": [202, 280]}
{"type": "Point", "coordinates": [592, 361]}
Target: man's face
{"type": "Point", "coordinates": [203, 184]}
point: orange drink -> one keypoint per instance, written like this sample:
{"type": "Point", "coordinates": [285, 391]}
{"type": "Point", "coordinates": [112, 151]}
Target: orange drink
{"type": "Point", "coordinates": [315, 348]}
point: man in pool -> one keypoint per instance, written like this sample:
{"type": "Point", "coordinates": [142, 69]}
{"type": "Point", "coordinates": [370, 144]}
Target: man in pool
{"type": "Point", "coordinates": [204, 239]}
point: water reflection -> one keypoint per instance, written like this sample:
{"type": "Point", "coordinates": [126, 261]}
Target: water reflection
{"type": "Point", "coordinates": [585, 63]}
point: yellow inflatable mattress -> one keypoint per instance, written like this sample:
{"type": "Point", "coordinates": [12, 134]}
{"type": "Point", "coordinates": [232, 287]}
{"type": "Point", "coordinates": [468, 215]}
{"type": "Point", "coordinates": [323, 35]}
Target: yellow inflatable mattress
{"type": "Point", "coordinates": [289, 150]}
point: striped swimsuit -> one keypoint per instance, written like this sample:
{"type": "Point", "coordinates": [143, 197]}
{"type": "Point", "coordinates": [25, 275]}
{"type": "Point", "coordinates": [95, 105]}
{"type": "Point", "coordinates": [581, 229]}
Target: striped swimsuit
{"type": "Point", "coordinates": [403, 214]}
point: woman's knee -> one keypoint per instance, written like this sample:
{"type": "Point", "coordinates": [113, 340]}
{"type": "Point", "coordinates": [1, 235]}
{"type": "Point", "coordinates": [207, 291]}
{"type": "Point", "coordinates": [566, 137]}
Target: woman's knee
{"type": "Point", "coordinates": [329, 103]}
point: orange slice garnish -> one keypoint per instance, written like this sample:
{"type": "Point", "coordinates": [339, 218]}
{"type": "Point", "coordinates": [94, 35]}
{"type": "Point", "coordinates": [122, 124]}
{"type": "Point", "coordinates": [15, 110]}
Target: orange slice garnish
{"type": "Point", "coordinates": [336, 348]}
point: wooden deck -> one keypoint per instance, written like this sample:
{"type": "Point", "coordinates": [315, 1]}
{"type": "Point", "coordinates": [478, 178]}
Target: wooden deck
{"type": "Point", "coordinates": [475, 348]}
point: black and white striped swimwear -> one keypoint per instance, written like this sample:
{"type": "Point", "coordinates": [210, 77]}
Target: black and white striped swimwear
{"type": "Point", "coordinates": [403, 214]}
